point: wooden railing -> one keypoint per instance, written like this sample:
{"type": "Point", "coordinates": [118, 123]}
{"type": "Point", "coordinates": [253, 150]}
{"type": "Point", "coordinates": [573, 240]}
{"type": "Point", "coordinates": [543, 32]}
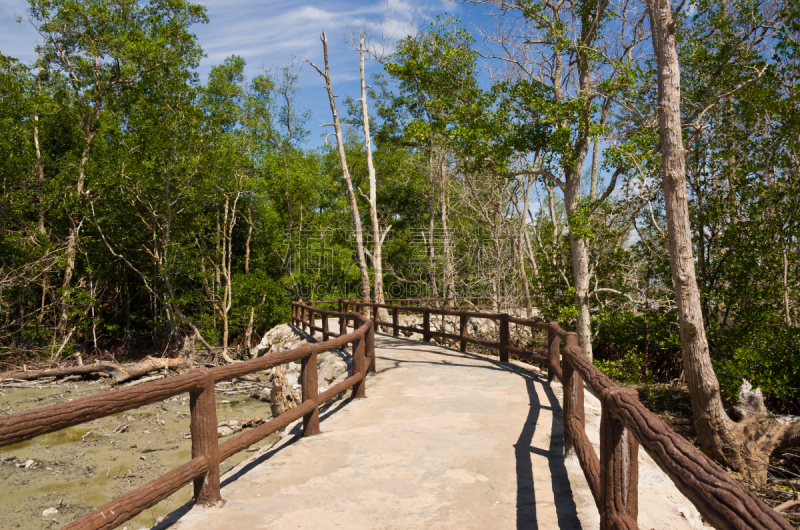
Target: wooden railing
{"type": "Point", "coordinates": [625, 423]}
{"type": "Point", "coordinates": [203, 468]}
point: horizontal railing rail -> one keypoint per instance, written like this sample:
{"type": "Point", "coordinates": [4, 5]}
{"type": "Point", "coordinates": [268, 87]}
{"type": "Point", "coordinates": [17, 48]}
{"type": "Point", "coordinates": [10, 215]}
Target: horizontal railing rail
{"type": "Point", "coordinates": [625, 425]}
{"type": "Point", "coordinates": [207, 453]}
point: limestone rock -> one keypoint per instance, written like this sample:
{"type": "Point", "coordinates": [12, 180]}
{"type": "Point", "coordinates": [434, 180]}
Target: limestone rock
{"type": "Point", "coordinates": [285, 393]}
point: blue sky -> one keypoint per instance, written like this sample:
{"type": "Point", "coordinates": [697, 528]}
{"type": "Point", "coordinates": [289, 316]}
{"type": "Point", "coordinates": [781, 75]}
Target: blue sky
{"type": "Point", "coordinates": [268, 33]}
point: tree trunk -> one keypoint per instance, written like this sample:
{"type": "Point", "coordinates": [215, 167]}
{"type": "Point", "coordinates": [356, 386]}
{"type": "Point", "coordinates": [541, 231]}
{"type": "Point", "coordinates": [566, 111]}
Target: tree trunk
{"type": "Point", "coordinates": [580, 258]}
{"type": "Point", "coordinates": [447, 253]}
{"type": "Point", "coordinates": [523, 274]}
{"type": "Point", "coordinates": [39, 162]}
{"type": "Point", "coordinates": [787, 316]}
{"type": "Point", "coordinates": [118, 372]}
{"type": "Point", "coordinates": [432, 220]}
{"type": "Point", "coordinates": [377, 235]}
{"type": "Point", "coordinates": [745, 445]}
{"type": "Point", "coordinates": [551, 203]}
{"type": "Point", "coordinates": [351, 196]}
{"type": "Point", "coordinates": [247, 243]}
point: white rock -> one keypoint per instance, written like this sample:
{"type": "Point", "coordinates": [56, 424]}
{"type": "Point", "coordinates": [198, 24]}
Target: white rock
{"type": "Point", "coordinates": [691, 515]}
{"type": "Point", "coordinates": [49, 511]}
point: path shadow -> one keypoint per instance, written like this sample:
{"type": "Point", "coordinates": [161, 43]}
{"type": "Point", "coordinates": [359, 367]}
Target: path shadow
{"type": "Point", "coordinates": [566, 510]}
{"type": "Point", "coordinates": [526, 494]}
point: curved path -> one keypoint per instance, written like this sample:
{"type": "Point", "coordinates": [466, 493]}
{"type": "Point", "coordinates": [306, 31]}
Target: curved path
{"type": "Point", "coordinates": [443, 440]}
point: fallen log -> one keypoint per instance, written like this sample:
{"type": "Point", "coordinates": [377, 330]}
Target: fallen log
{"type": "Point", "coordinates": [119, 372]}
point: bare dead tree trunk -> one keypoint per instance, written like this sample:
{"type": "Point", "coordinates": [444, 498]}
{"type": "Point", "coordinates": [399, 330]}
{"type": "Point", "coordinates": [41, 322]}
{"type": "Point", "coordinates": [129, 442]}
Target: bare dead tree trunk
{"type": "Point", "coordinates": [351, 196]}
{"type": "Point", "coordinates": [447, 252]}
{"type": "Point", "coordinates": [787, 316]}
{"type": "Point", "coordinates": [247, 243]}
{"type": "Point", "coordinates": [523, 274]}
{"type": "Point", "coordinates": [75, 223]}
{"type": "Point", "coordinates": [551, 203]}
{"type": "Point", "coordinates": [378, 236]}
{"type": "Point", "coordinates": [118, 372]}
{"type": "Point", "coordinates": [40, 176]}
{"type": "Point", "coordinates": [39, 162]}
{"type": "Point", "coordinates": [432, 220]}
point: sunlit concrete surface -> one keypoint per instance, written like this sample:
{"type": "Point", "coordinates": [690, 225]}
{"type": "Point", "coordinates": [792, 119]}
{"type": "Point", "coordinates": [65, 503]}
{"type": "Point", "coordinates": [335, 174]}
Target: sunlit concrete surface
{"type": "Point", "coordinates": [443, 440]}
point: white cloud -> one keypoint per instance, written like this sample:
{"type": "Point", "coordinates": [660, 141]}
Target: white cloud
{"type": "Point", "coordinates": [269, 32]}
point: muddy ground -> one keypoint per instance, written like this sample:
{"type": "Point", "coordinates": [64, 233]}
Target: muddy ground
{"type": "Point", "coordinates": [79, 469]}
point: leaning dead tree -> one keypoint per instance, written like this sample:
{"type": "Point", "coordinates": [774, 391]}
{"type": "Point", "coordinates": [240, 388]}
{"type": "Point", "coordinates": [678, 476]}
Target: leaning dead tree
{"type": "Point", "coordinates": [744, 445]}
{"type": "Point", "coordinates": [351, 196]}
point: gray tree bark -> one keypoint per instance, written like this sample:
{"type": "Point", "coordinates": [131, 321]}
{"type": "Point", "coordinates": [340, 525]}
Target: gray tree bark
{"type": "Point", "coordinates": [351, 196]}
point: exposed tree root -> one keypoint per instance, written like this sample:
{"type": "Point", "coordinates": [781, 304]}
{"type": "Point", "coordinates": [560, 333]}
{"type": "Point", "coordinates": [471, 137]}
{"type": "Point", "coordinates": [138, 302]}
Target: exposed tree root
{"type": "Point", "coordinates": [747, 445]}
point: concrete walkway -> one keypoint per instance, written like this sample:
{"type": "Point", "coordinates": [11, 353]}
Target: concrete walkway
{"type": "Point", "coordinates": [443, 440]}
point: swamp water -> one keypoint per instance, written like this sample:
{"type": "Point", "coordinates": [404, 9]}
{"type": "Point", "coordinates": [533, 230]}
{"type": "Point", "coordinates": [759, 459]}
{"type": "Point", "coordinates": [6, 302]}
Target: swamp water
{"type": "Point", "coordinates": [78, 469]}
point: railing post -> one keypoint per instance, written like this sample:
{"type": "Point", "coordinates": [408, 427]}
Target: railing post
{"type": "Point", "coordinates": [573, 393]}
{"type": "Point", "coordinates": [324, 326]}
{"type": "Point", "coordinates": [395, 322]}
{"type": "Point", "coordinates": [203, 427]}
{"type": "Point", "coordinates": [426, 325]}
{"type": "Point", "coordinates": [339, 305]}
{"type": "Point", "coordinates": [359, 367]}
{"type": "Point", "coordinates": [311, 321]}
{"type": "Point", "coordinates": [553, 350]}
{"type": "Point", "coordinates": [370, 347]}
{"type": "Point", "coordinates": [619, 470]}
{"type": "Point", "coordinates": [308, 380]}
{"type": "Point", "coordinates": [462, 330]}
{"type": "Point", "coordinates": [303, 317]}
{"type": "Point", "coordinates": [504, 338]}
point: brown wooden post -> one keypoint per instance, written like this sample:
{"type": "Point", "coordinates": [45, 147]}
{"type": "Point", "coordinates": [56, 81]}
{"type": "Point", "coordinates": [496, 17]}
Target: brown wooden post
{"type": "Point", "coordinates": [370, 348]}
{"type": "Point", "coordinates": [359, 367]}
{"type": "Point", "coordinates": [504, 338]}
{"type": "Point", "coordinates": [553, 350]}
{"type": "Point", "coordinates": [426, 325]}
{"type": "Point", "coordinates": [303, 317]}
{"type": "Point", "coordinates": [395, 322]}
{"type": "Point", "coordinates": [339, 305]}
{"type": "Point", "coordinates": [203, 427]}
{"type": "Point", "coordinates": [619, 471]}
{"type": "Point", "coordinates": [308, 380]}
{"type": "Point", "coordinates": [311, 322]}
{"type": "Point", "coordinates": [324, 326]}
{"type": "Point", "coordinates": [573, 393]}
{"type": "Point", "coordinates": [462, 330]}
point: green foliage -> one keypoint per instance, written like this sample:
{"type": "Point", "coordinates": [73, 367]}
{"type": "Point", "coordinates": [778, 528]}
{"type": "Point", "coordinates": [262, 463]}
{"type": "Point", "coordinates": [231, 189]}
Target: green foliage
{"type": "Point", "coordinates": [203, 198]}
{"type": "Point", "coordinates": [767, 357]}
{"type": "Point", "coordinates": [629, 369]}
